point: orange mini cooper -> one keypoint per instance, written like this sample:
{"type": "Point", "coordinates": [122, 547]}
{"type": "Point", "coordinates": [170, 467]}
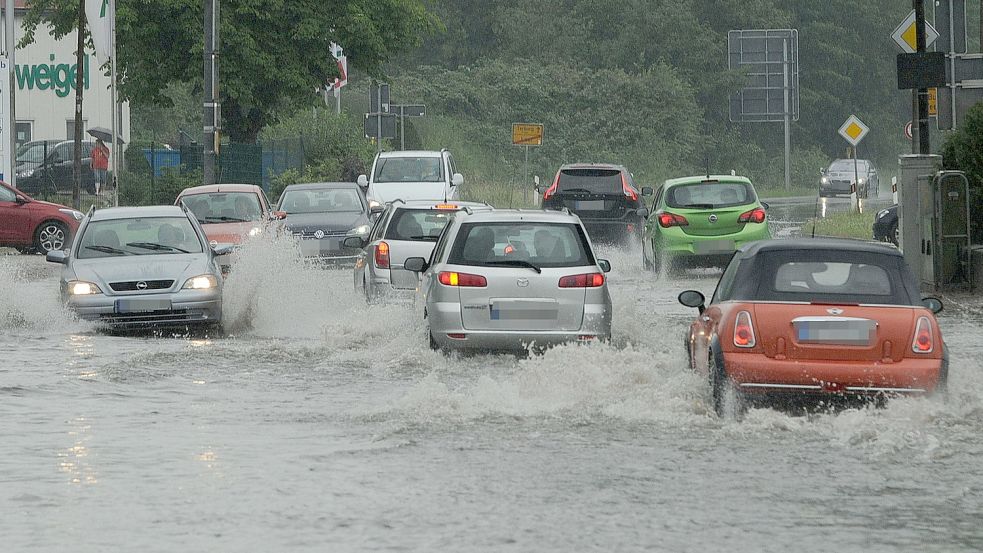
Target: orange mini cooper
{"type": "Point", "coordinates": [816, 319]}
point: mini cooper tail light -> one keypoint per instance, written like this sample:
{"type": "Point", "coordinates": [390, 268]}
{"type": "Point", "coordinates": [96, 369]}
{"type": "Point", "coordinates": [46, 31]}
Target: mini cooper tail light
{"type": "Point", "coordinates": [744, 331]}
{"type": "Point", "coordinates": [923, 342]}
{"type": "Point", "coordinates": [756, 215]}
{"type": "Point", "coordinates": [466, 280]}
{"type": "Point", "coordinates": [667, 220]}
{"type": "Point", "coordinates": [628, 189]}
{"type": "Point", "coordinates": [588, 280]}
{"type": "Point", "coordinates": [382, 255]}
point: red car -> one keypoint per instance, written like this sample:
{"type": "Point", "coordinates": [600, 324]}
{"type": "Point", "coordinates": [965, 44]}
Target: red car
{"type": "Point", "coordinates": [229, 213]}
{"type": "Point", "coordinates": [819, 319]}
{"type": "Point", "coordinates": [32, 225]}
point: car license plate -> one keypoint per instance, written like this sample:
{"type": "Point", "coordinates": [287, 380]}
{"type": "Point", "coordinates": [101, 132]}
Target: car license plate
{"type": "Point", "coordinates": [835, 330]}
{"type": "Point", "coordinates": [525, 310]}
{"type": "Point", "coordinates": [142, 305]}
{"type": "Point", "coordinates": [714, 246]}
{"type": "Point", "coordinates": [589, 205]}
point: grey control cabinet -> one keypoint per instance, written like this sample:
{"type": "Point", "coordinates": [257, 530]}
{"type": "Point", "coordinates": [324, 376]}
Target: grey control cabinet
{"type": "Point", "coordinates": [916, 213]}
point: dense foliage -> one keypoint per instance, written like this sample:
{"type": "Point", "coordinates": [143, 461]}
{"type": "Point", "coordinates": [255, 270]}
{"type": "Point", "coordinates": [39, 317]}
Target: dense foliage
{"type": "Point", "coordinates": [963, 151]}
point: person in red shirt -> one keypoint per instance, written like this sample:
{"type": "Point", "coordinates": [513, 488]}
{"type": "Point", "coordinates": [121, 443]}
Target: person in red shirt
{"type": "Point", "coordinates": [100, 164]}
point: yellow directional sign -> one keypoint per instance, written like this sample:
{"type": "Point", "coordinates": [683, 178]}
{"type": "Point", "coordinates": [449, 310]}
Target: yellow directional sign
{"type": "Point", "coordinates": [527, 134]}
{"type": "Point", "coordinates": [933, 102]}
{"type": "Point", "coordinates": [905, 34]}
{"type": "Point", "coordinates": [854, 130]}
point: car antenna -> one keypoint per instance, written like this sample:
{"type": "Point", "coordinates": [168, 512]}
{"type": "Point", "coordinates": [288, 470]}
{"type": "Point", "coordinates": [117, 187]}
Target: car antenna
{"type": "Point", "coordinates": [707, 159]}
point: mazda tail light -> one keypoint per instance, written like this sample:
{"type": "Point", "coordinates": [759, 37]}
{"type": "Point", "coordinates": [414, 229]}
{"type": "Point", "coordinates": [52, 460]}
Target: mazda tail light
{"type": "Point", "coordinates": [552, 189]}
{"type": "Point", "coordinates": [448, 278]}
{"type": "Point", "coordinates": [667, 219]}
{"type": "Point", "coordinates": [628, 190]}
{"type": "Point", "coordinates": [588, 280]}
{"type": "Point", "coordinates": [744, 331]}
{"type": "Point", "coordinates": [382, 255]}
{"type": "Point", "coordinates": [923, 342]}
{"type": "Point", "coordinates": [756, 215]}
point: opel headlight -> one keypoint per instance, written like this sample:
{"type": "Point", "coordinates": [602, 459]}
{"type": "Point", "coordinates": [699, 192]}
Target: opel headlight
{"type": "Point", "coordinates": [255, 231]}
{"type": "Point", "coordinates": [82, 288]}
{"type": "Point", "coordinates": [201, 282]}
{"type": "Point", "coordinates": [360, 230]}
{"type": "Point", "coordinates": [824, 180]}
{"type": "Point", "coordinates": [77, 214]}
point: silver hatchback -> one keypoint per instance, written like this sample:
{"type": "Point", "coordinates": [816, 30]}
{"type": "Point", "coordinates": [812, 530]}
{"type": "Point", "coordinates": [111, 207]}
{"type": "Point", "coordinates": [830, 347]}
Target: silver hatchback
{"type": "Point", "coordinates": [138, 267]}
{"type": "Point", "coordinates": [513, 280]}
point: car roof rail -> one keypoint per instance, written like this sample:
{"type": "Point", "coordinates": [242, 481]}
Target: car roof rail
{"type": "Point", "coordinates": [468, 210]}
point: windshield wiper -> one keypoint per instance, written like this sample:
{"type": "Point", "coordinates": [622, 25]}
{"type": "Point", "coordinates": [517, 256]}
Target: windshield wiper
{"type": "Point", "coordinates": [224, 219]}
{"type": "Point", "coordinates": [516, 263]}
{"type": "Point", "coordinates": [577, 190]}
{"type": "Point", "coordinates": [155, 246]}
{"type": "Point", "coordinates": [108, 249]}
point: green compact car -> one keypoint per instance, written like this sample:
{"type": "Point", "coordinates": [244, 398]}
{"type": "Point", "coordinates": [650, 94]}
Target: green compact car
{"type": "Point", "coordinates": [701, 221]}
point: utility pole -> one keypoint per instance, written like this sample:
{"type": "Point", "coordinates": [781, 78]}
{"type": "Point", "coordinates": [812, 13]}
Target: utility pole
{"type": "Point", "coordinates": [212, 117]}
{"type": "Point", "coordinates": [921, 108]}
{"type": "Point", "coordinates": [79, 83]}
{"type": "Point", "coordinates": [11, 87]}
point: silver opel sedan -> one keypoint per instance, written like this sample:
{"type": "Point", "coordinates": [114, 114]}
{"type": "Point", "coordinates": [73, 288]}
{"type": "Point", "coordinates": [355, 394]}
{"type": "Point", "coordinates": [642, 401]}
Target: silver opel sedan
{"type": "Point", "coordinates": [513, 280]}
{"type": "Point", "coordinates": [140, 267]}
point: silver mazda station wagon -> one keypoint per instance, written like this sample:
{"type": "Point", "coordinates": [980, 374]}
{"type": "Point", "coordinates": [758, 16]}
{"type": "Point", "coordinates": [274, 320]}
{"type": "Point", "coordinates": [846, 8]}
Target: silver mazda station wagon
{"type": "Point", "coordinates": [138, 267]}
{"type": "Point", "coordinates": [513, 280]}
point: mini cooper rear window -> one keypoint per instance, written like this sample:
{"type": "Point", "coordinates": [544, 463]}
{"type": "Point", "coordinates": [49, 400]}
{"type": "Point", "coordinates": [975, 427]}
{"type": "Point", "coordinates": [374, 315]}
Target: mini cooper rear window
{"type": "Point", "coordinates": [541, 244]}
{"type": "Point", "coordinates": [832, 278]}
{"type": "Point", "coordinates": [709, 195]}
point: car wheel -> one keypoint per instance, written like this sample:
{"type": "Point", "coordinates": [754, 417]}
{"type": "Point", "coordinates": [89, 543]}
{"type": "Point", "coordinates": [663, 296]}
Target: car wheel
{"type": "Point", "coordinates": [654, 263]}
{"type": "Point", "coordinates": [894, 234]}
{"type": "Point", "coordinates": [50, 236]}
{"type": "Point", "coordinates": [728, 401]}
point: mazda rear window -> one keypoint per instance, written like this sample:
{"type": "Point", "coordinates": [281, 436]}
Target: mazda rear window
{"type": "Point", "coordinates": [597, 181]}
{"type": "Point", "coordinates": [709, 195]}
{"type": "Point", "coordinates": [418, 224]}
{"type": "Point", "coordinates": [544, 245]}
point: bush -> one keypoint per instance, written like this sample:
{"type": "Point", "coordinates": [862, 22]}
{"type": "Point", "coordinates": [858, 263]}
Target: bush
{"type": "Point", "coordinates": [963, 151]}
{"type": "Point", "coordinates": [142, 189]}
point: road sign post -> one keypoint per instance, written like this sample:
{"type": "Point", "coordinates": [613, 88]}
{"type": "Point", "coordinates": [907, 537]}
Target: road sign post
{"type": "Point", "coordinates": [404, 111]}
{"type": "Point", "coordinates": [770, 59]}
{"type": "Point", "coordinates": [853, 131]}
{"type": "Point", "coordinates": [527, 135]}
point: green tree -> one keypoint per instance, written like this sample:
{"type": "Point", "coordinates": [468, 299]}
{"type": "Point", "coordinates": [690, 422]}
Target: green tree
{"type": "Point", "coordinates": [274, 53]}
{"type": "Point", "coordinates": [963, 151]}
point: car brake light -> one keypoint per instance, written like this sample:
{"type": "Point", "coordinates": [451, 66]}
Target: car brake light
{"type": "Point", "coordinates": [744, 331]}
{"type": "Point", "coordinates": [552, 189]}
{"type": "Point", "coordinates": [756, 215]}
{"type": "Point", "coordinates": [462, 279]}
{"type": "Point", "coordinates": [382, 255]}
{"type": "Point", "coordinates": [923, 342]}
{"type": "Point", "coordinates": [446, 207]}
{"type": "Point", "coordinates": [628, 189]}
{"type": "Point", "coordinates": [588, 280]}
{"type": "Point", "coordinates": [667, 220]}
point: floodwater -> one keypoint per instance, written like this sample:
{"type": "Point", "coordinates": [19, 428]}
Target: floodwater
{"type": "Point", "coordinates": [318, 424]}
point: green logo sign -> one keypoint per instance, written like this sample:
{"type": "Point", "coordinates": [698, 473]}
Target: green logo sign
{"type": "Point", "coordinates": [58, 77]}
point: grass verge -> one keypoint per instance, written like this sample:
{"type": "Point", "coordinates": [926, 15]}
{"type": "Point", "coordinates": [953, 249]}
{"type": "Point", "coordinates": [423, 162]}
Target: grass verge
{"type": "Point", "coordinates": [842, 225]}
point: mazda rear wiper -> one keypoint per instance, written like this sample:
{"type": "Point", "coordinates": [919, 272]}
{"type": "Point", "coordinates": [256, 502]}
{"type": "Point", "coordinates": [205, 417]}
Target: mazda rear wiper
{"type": "Point", "coordinates": [515, 263]}
{"type": "Point", "coordinates": [155, 246]}
{"type": "Point", "coordinates": [108, 249]}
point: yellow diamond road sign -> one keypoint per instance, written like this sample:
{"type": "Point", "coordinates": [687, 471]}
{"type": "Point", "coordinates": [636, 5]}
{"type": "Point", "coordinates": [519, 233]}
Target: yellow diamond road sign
{"type": "Point", "coordinates": [854, 130]}
{"type": "Point", "coordinates": [904, 35]}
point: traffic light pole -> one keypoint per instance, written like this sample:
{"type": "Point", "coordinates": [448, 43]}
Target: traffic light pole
{"type": "Point", "coordinates": [921, 105]}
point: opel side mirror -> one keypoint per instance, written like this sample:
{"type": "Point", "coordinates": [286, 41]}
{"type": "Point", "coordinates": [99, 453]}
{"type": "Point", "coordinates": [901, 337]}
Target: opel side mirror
{"type": "Point", "coordinates": [604, 264]}
{"type": "Point", "coordinates": [354, 242]}
{"type": "Point", "coordinates": [647, 191]}
{"type": "Point", "coordinates": [56, 256]}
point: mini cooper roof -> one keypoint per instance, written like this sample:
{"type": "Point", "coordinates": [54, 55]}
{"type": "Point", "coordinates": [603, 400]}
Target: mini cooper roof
{"type": "Point", "coordinates": [799, 244]}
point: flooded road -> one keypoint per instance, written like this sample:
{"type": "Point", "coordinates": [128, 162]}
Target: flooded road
{"type": "Point", "coordinates": [318, 424]}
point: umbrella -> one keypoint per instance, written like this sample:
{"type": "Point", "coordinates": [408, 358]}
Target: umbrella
{"type": "Point", "coordinates": [104, 134]}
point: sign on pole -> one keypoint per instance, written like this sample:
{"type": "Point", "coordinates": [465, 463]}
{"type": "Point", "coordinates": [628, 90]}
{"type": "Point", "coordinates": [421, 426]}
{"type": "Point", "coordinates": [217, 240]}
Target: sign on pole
{"type": "Point", "coordinates": [527, 134]}
{"type": "Point", "coordinates": [907, 131]}
{"type": "Point", "coordinates": [97, 14]}
{"type": "Point", "coordinates": [950, 19]}
{"type": "Point", "coordinates": [854, 130]}
{"type": "Point", "coordinates": [905, 34]}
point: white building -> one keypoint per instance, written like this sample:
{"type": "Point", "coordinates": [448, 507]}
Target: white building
{"type": "Point", "coordinates": [45, 93]}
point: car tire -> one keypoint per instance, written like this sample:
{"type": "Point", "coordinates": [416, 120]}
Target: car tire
{"type": "Point", "coordinates": [728, 401]}
{"type": "Point", "coordinates": [893, 234]}
{"type": "Point", "coordinates": [50, 236]}
{"type": "Point", "coordinates": [653, 263]}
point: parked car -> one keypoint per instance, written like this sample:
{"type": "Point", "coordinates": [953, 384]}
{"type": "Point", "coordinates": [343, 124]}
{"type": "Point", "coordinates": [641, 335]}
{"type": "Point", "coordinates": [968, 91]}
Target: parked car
{"type": "Point", "coordinates": [322, 215]}
{"type": "Point", "coordinates": [404, 229]}
{"type": "Point", "coordinates": [816, 319]}
{"type": "Point", "coordinates": [513, 280]}
{"type": "Point", "coordinates": [32, 154]}
{"type": "Point", "coordinates": [412, 175]}
{"type": "Point", "coordinates": [32, 225]}
{"type": "Point", "coordinates": [229, 213]}
{"type": "Point", "coordinates": [606, 199]}
{"type": "Point", "coordinates": [56, 172]}
{"type": "Point", "coordinates": [838, 179]}
{"type": "Point", "coordinates": [885, 228]}
{"type": "Point", "coordinates": [702, 221]}
{"type": "Point", "coordinates": [139, 267]}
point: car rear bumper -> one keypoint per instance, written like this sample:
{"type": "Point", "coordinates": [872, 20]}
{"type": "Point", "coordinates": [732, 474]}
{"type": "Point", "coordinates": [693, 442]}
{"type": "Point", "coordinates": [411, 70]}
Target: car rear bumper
{"type": "Point", "coordinates": [188, 308]}
{"type": "Point", "coordinates": [445, 319]}
{"type": "Point", "coordinates": [756, 373]}
{"type": "Point", "coordinates": [836, 187]}
{"type": "Point", "coordinates": [692, 250]}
